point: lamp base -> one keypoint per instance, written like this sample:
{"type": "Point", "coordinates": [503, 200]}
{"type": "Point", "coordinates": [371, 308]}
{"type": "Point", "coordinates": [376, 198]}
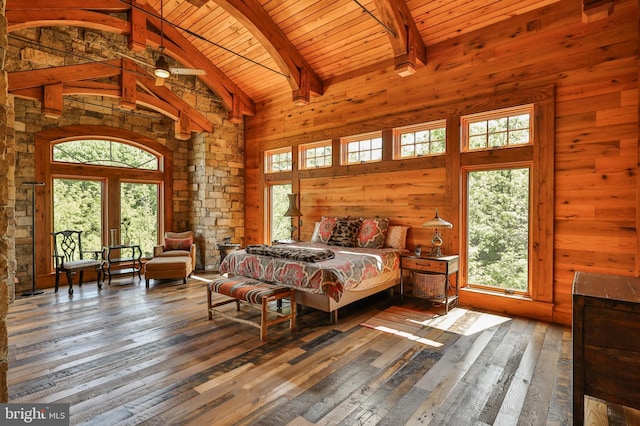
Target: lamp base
{"type": "Point", "coordinates": [436, 251]}
{"type": "Point", "coordinates": [32, 293]}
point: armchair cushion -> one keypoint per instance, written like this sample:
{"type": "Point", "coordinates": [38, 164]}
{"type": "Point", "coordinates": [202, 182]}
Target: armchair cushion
{"type": "Point", "coordinates": [177, 243]}
{"type": "Point", "coordinates": [176, 253]}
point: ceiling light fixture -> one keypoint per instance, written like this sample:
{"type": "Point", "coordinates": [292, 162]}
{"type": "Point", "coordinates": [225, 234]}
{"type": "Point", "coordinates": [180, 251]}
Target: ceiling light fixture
{"type": "Point", "coordinates": [161, 68]}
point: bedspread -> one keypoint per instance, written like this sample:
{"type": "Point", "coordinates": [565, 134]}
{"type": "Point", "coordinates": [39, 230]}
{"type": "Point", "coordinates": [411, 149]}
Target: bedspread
{"type": "Point", "coordinates": [332, 277]}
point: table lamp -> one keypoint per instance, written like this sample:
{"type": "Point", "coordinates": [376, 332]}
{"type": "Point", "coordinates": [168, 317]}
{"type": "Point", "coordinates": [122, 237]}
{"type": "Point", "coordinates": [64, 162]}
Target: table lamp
{"type": "Point", "coordinates": [437, 223]}
{"type": "Point", "coordinates": [293, 211]}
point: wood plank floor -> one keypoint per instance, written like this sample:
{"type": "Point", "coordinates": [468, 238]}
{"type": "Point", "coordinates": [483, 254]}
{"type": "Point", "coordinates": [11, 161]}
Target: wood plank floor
{"type": "Point", "coordinates": [127, 355]}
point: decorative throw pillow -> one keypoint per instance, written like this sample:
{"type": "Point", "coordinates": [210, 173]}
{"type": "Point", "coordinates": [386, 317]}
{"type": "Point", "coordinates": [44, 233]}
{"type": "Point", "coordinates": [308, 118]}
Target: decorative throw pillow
{"type": "Point", "coordinates": [396, 237]}
{"type": "Point", "coordinates": [177, 243]}
{"type": "Point", "coordinates": [325, 229]}
{"type": "Point", "coordinates": [345, 233]}
{"type": "Point", "coordinates": [372, 233]}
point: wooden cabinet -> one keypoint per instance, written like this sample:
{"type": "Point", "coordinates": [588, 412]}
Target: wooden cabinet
{"type": "Point", "coordinates": [444, 266]}
{"type": "Point", "coordinates": [606, 340]}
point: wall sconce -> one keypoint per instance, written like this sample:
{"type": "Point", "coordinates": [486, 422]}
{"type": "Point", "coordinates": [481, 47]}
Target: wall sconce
{"type": "Point", "coordinates": [436, 242]}
{"type": "Point", "coordinates": [293, 211]}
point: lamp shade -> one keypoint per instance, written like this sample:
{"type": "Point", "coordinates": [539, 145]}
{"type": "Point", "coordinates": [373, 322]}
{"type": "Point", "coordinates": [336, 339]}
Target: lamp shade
{"type": "Point", "coordinates": [161, 69]}
{"type": "Point", "coordinates": [293, 210]}
{"type": "Point", "coordinates": [437, 222]}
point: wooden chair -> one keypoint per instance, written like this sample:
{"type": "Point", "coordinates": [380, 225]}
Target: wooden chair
{"type": "Point", "coordinates": [69, 258]}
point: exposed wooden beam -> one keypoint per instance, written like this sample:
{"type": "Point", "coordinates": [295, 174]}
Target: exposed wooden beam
{"type": "Point", "coordinates": [594, 10]}
{"type": "Point", "coordinates": [54, 75]}
{"type": "Point", "coordinates": [128, 85]}
{"type": "Point", "coordinates": [52, 101]}
{"type": "Point", "coordinates": [179, 48]}
{"type": "Point", "coordinates": [138, 34]}
{"type": "Point", "coordinates": [406, 41]}
{"type": "Point", "coordinates": [252, 15]}
{"type": "Point", "coordinates": [50, 84]}
{"type": "Point", "coordinates": [38, 13]}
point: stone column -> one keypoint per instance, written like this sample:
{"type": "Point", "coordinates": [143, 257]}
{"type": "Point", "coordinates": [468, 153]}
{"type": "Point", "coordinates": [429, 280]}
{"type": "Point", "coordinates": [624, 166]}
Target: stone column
{"type": "Point", "coordinates": [7, 207]}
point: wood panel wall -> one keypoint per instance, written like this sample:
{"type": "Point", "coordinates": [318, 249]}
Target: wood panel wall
{"type": "Point", "coordinates": [593, 68]}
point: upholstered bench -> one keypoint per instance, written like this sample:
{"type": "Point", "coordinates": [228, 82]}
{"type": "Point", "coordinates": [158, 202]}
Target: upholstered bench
{"type": "Point", "coordinates": [256, 294]}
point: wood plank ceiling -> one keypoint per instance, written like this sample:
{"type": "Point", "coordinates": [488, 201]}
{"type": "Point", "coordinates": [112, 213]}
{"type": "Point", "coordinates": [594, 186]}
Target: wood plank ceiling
{"type": "Point", "coordinates": [266, 48]}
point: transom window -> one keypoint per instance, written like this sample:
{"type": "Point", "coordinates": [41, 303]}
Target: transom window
{"type": "Point", "coordinates": [315, 155]}
{"type": "Point", "coordinates": [365, 148]}
{"type": "Point", "coordinates": [104, 153]}
{"type": "Point", "coordinates": [278, 160]}
{"type": "Point", "coordinates": [498, 129]}
{"type": "Point", "coordinates": [420, 140]}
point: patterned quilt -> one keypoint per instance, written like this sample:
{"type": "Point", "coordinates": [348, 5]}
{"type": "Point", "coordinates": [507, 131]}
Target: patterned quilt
{"type": "Point", "coordinates": [348, 267]}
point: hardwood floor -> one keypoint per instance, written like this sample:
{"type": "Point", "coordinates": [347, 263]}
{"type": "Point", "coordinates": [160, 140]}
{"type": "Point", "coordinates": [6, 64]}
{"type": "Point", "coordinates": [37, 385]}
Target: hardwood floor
{"type": "Point", "coordinates": [127, 355]}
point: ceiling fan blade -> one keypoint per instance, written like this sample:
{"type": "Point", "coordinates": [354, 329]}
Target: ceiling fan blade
{"type": "Point", "coordinates": [187, 71]}
{"type": "Point", "coordinates": [160, 81]}
{"type": "Point", "coordinates": [140, 61]}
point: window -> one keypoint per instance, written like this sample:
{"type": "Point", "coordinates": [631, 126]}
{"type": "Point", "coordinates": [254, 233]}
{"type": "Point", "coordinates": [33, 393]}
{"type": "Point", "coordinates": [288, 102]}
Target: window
{"type": "Point", "coordinates": [499, 222]}
{"type": "Point", "coordinates": [278, 160]}
{"type": "Point", "coordinates": [498, 228]}
{"type": "Point", "coordinates": [77, 204]}
{"type": "Point", "coordinates": [139, 214]}
{"type": "Point", "coordinates": [104, 153]}
{"type": "Point", "coordinates": [315, 155]}
{"type": "Point", "coordinates": [498, 129]}
{"type": "Point", "coordinates": [278, 202]}
{"type": "Point", "coordinates": [365, 148]}
{"type": "Point", "coordinates": [420, 140]}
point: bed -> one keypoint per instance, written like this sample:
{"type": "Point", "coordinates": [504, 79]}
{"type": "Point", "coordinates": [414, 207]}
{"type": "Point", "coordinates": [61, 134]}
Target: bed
{"type": "Point", "coordinates": [348, 275]}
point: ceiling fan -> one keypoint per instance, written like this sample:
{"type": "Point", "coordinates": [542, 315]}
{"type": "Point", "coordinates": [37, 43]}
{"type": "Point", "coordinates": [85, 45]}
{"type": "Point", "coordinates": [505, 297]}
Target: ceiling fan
{"type": "Point", "coordinates": [161, 68]}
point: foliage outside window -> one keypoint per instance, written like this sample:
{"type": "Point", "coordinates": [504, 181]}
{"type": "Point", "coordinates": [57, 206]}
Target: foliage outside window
{"type": "Point", "coordinates": [77, 205]}
{"type": "Point", "coordinates": [315, 155]}
{"type": "Point", "coordinates": [420, 140]}
{"type": "Point", "coordinates": [280, 226]}
{"type": "Point", "coordinates": [104, 153]}
{"type": "Point", "coordinates": [498, 228]}
{"type": "Point", "coordinates": [365, 148]}
{"type": "Point", "coordinates": [139, 215]}
{"type": "Point", "coordinates": [278, 160]}
{"type": "Point", "coordinates": [498, 129]}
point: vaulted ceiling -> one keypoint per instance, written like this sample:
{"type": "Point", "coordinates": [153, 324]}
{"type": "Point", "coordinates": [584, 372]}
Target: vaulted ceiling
{"type": "Point", "coordinates": [253, 50]}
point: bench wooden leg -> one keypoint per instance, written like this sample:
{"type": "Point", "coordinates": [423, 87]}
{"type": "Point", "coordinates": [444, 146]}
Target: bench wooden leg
{"type": "Point", "coordinates": [264, 319]}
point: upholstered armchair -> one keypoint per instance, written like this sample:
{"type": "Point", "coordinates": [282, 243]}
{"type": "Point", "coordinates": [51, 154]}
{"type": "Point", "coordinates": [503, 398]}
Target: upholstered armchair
{"type": "Point", "coordinates": [176, 258]}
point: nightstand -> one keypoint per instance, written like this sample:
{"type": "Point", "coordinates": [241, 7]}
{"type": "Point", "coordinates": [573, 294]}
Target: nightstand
{"type": "Point", "coordinates": [425, 267]}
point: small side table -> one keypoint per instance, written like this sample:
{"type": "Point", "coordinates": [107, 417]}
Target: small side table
{"type": "Point", "coordinates": [226, 248]}
{"type": "Point", "coordinates": [127, 254]}
{"type": "Point", "coordinates": [445, 265]}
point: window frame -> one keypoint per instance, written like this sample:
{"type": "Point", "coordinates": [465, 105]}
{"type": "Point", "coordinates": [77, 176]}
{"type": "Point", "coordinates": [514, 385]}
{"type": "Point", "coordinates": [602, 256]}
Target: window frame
{"type": "Point", "coordinates": [345, 141]}
{"type": "Point", "coordinates": [269, 160]}
{"type": "Point", "coordinates": [465, 211]}
{"type": "Point", "coordinates": [540, 153]}
{"type": "Point", "coordinates": [467, 120]}
{"type": "Point", "coordinates": [398, 132]}
{"type": "Point", "coordinates": [304, 148]}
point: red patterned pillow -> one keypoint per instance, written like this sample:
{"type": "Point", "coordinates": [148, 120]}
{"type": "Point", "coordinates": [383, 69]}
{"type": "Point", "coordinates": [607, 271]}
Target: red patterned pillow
{"type": "Point", "coordinates": [325, 229]}
{"type": "Point", "coordinates": [177, 243]}
{"type": "Point", "coordinates": [372, 233]}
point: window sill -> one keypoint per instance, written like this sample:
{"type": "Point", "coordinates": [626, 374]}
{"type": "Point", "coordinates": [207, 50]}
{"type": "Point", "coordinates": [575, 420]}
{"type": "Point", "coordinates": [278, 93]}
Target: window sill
{"type": "Point", "coordinates": [510, 304]}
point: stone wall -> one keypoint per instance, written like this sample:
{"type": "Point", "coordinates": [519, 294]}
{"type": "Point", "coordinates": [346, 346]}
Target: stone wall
{"type": "Point", "coordinates": [208, 168]}
{"type": "Point", "coordinates": [7, 197]}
